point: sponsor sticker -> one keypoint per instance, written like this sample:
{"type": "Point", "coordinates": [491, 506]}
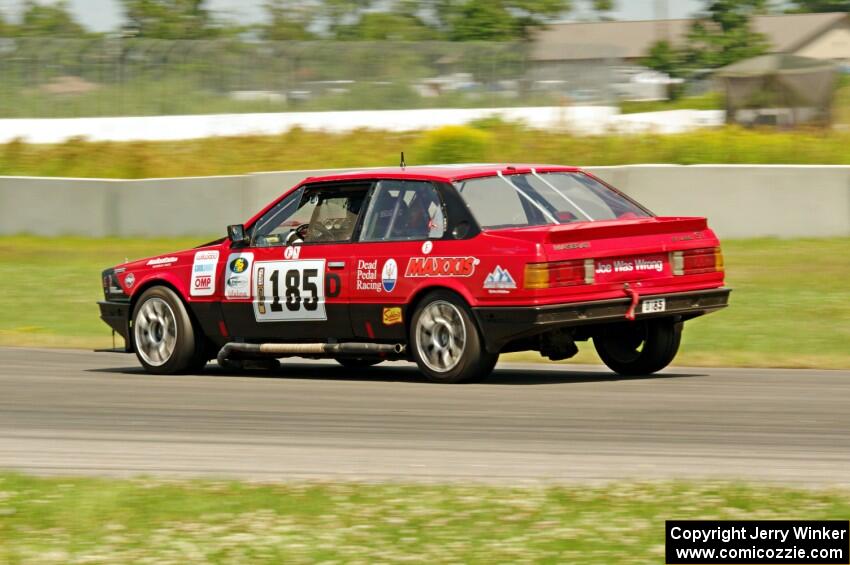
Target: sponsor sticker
{"type": "Point", "coordinates": [392, 316]}
{"type": "Point", "coordinates": [564, 246]}
{"type": "Point", "coordinates": [203, 273]}
{"type": "Point", "coordinates": [288, 291]}
{"type": "Point", "coordinates": [367, 276]}
{"type": "Point", "coordinates": [427, 247]}
{"type": "Point", "coordinates": [161, 262]}
{"type": "Point", "coordinates": [292, 252]}
{"type": "Point", "coordinates": [130, 280]}
{"type": "Point", "coordinates": [630, 268]}
{"type": "Point", "coordinates": [499, 280]}
{"type": "Point", "coordinates": [237, 282]}
{"type": "Point", "coordinates": [441, 267]}
{"type": "Point", "coordinates": [389, 275]}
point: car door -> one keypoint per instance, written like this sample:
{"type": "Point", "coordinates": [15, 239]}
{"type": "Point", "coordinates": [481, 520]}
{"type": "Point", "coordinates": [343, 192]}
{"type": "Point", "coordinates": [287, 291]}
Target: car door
{"type": "Point", "coordinates": [404, 221]}
{"type": "Point", "coordinates": [292, 282]}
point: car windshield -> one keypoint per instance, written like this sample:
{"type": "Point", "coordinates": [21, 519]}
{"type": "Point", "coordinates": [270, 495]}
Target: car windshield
{"type": "Point", "coordinates": [541, 199]}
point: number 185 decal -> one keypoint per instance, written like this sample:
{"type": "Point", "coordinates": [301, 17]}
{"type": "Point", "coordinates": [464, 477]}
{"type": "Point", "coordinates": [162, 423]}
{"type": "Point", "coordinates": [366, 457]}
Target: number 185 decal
{"type": "Point", "coordinates": [286, 291]}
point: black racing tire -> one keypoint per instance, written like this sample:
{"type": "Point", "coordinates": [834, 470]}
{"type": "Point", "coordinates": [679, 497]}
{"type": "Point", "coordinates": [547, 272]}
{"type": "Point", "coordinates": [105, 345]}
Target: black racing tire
{"type": "Point", "coordinates": [357, 363]}
{"type": "Point", "coordinates": [158, 317]}
{"type": "Point", "coordinates": [639, 348]}
{"type": "Point", "coordinates": [443, 322]}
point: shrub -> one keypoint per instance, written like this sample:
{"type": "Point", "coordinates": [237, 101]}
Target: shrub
{"type": "Point", "coordinates": [453, 144]}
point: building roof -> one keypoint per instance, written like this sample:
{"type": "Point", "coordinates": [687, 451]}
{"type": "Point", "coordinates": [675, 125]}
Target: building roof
{"type": "Point", "coordinates": [632, 39]}
{"type": "Point", "coordinates": [440, 173]}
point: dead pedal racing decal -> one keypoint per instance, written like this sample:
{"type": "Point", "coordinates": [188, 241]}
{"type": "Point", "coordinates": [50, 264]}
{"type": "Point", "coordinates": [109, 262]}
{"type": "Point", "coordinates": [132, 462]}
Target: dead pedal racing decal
{"type": "Point", "coordinates": [237, 280]}
{"type": "Point", "coordinates": [392, 316]}
{"type": "Point", "coordinates": [499, 281]}
{"type": "Point", "coordinates": [203, 273]}
{"type": "Point", "coordinates": [287, 291]}
{"type": "Point", "coordinates": [441, 267]}
{"type": "Point", "coordinates": [368, 279]}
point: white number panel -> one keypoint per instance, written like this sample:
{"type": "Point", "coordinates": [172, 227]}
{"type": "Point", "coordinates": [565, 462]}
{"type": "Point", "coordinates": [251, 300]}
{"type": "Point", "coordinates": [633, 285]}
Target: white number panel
{"type": "Point", "coordinates": [287, 291]}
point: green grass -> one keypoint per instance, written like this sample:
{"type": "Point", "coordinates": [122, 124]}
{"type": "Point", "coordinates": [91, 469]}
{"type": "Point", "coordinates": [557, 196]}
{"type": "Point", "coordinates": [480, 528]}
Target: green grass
{"type": "Point", "coordinates": [492, 141]}
{"type": "Point", "coordinates": [62, 520]}
{"type": "Point", "coordinates": [790, 306]}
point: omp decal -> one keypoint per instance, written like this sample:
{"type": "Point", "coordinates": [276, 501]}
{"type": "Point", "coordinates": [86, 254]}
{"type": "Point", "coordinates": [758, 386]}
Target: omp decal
{"type": "Point", "coordinates": [289, 291]}
{"type": "Point", "coordinates": [499, 279]}
{"type": "Point", "coordinates": [203, 273]}
{"type": "Point", "coordinates": [389, 275]}
{"type": "Point", "coordinates": [161, 262]}
{"type": "Point", "coordinates": [392, 316]}
{"type": "Point", "coordinates": [237, 281]}
{"type": "Point", "coordinates": [441, 266]}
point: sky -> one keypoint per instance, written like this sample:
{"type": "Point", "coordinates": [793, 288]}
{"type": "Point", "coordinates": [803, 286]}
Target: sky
{"type": "Point", "coordinates": [105, 15]}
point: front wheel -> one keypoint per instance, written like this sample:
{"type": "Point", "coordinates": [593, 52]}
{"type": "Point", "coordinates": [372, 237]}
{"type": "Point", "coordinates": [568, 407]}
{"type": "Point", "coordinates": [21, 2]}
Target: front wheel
{"type": "Point", "coordinates": [639, 348]}
{"type": "Point", "coordinates": [445, 340]}
{"type": "Point", "coordinates": [165, 339]}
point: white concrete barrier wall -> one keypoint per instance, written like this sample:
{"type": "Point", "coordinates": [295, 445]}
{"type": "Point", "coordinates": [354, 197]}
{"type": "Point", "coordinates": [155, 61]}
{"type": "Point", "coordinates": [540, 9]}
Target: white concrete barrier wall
{"type": "Point", "coordinates": [739, 201]}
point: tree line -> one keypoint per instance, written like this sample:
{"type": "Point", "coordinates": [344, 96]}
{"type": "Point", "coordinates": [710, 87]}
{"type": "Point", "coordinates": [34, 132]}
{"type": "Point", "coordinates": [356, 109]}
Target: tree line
{"type": "Point", "coordinates": [720, 35]}
{"type": "Point", "coordinates": [368, 20]}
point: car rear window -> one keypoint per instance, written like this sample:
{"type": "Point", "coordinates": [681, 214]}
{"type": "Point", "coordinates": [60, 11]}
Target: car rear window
{"type": "Point", "coordinates": [541, 199]}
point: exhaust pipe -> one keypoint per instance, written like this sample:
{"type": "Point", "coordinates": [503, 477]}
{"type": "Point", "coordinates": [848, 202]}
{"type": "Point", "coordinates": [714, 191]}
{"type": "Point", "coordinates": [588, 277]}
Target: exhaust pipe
{"type": "Point", "coordinates": [312, 349]}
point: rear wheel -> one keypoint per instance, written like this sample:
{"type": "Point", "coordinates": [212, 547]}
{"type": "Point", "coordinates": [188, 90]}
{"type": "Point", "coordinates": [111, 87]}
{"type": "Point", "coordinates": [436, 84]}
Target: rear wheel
{"type": "Point", "coordinates": [445, 340]}
{"type": "Point", "coordinates": [166, 340]}
{"type": "Point", "coordinates": [639, 348]}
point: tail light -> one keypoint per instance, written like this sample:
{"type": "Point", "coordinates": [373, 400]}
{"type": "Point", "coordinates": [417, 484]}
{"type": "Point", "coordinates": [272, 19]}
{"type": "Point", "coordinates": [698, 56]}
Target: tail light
{"type": "Point", "coordinates": [697, 261]}
{"type": "Point", "coordinates": [558, 274]}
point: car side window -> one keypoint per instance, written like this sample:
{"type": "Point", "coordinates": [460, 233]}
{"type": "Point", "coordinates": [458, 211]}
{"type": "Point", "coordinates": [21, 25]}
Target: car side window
{"type": "Point", "coordinates": [317, 214]}
{"type": "Point", "coordinates": [404, 211]}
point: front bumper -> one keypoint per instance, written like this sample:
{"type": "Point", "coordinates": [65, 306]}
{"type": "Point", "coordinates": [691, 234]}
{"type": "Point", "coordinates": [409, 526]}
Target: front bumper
{"type": "Point", "coordinates": [117, 316]}
{"type": "Point", "coordinates": [502, 325]}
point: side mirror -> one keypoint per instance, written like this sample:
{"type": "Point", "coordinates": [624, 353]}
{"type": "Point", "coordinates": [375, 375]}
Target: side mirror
{"type": "Point", "coordinates": [236, 234]}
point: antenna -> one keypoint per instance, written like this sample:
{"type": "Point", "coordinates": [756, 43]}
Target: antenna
{"type": "Point", "coordinates": [403, 165]}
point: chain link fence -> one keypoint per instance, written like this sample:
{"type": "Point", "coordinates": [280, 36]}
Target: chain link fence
{"type": "Point", "coordinates": [134, 77]}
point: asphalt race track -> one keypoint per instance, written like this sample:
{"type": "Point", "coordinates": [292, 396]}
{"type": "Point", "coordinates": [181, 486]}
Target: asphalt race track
{"type": "Point", "coordinates": [76, 412]}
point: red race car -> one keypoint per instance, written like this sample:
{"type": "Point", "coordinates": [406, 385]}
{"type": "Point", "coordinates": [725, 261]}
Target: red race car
{"type": "Point", "coordinates": [447, 266]}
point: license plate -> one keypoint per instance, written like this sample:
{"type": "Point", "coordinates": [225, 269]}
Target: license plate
{"type": "Point", "coordinates": [653, 306]}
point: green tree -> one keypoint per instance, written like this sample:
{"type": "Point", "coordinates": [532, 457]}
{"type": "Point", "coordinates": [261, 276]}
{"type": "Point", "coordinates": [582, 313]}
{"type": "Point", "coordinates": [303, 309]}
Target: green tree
{"type": "Point", "coordinates": [380, 26]}
{"type": "Point", "coordinates": [49, 20]}
{"type": "Point", "coordinates": [6, 29]}
{"type": "Point", "coordinates": [722, 34]}
{"type": "Point", "coordinates": [288, 20]}
{"type": "Point", "coordinates": [821, 6]}
{"type": "Point", "coordinates": [496, 20]}
{"type": "Point", "coordinates": [665, 58]}
{"type": "Point", "coordinates": [603, 7]}
{"type": "Point", "coordinates": [172, 19]}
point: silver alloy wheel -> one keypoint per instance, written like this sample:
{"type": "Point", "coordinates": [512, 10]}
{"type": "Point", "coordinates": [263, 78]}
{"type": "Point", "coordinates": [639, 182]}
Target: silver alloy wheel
{"type": "Point", "coordinates": [440, 336]}
{"type": "Point", "coordinates": [155, 331]}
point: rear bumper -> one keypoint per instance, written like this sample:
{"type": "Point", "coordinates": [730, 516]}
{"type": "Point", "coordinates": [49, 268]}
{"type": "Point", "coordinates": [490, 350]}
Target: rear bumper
{"type": "Point", "coordinates": [501, 325]}
{"type": "Point", "coordinates": [117, 316]}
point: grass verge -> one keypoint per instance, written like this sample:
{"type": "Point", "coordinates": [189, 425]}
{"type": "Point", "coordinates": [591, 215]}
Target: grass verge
{"type": "Point", "coordinates": [790, 306]}
{"type": "Point", "coordinates": [485, 141]}
{"type": "Point", "coordinates": [64, 520]}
